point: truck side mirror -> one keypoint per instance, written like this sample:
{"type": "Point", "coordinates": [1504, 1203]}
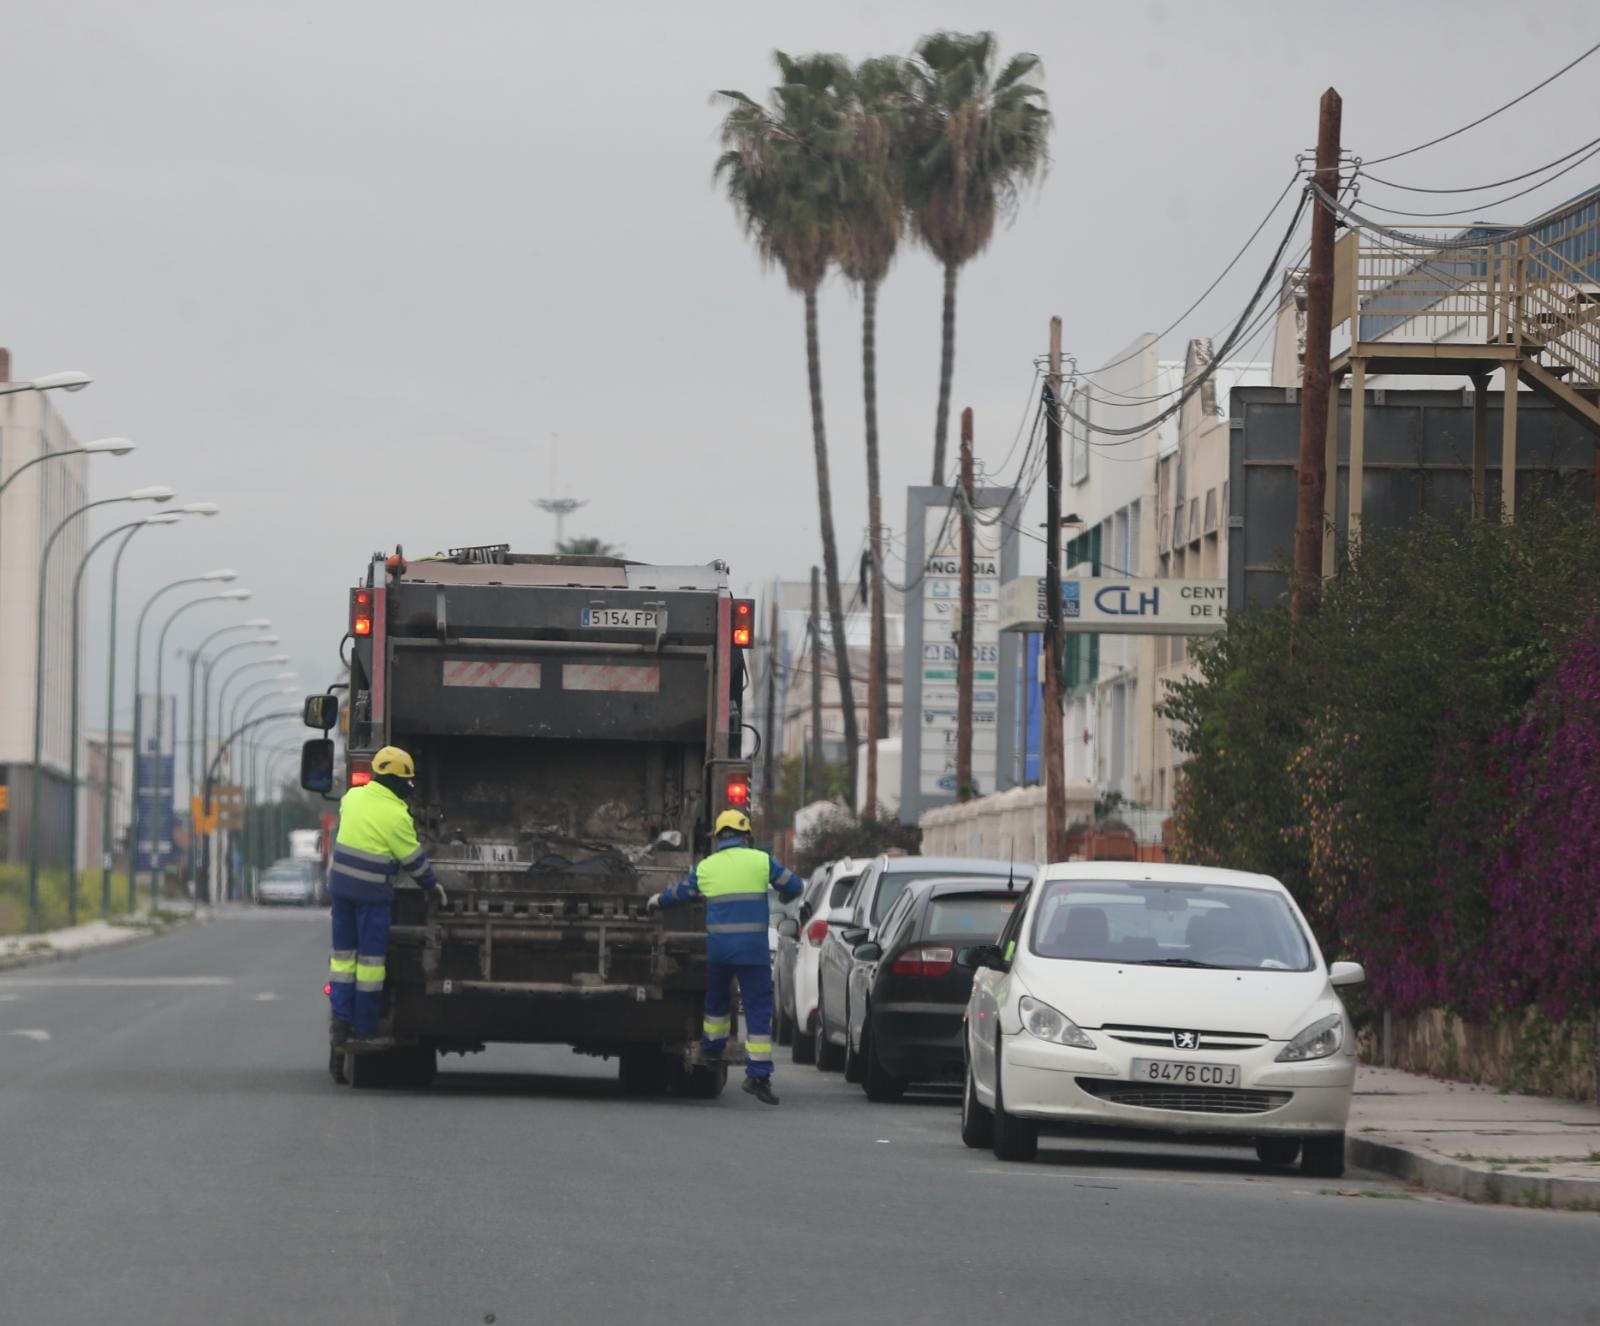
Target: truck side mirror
{"type": "Point", "coordinates": [321, 712]}
{"type": "Point", "coordinates": [316, 765]}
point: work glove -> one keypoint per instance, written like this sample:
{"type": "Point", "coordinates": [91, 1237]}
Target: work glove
{"type": "Point", "coordinates": [652, 904]}
{"type": "Point", "coordinates": [438, 894]}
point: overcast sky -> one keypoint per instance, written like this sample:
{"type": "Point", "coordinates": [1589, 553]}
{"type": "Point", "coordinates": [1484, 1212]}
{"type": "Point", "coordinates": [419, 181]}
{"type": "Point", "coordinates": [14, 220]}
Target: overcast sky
{"type": "Point", "coordinates": [346, 266]}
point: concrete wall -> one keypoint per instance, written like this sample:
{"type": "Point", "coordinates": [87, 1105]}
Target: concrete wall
{"type": "Point", "coordinates": [1007, 825]}
{"type": "Point", "coordinates": [1525, 1052]}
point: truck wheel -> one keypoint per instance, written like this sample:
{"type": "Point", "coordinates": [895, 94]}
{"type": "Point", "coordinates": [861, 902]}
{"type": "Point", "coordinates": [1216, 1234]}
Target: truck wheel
{"type": "Point", "coordinates": [367, 1071]}
{"type": "Point", "coordinates": [336, 1066]}
{"type": "Point", "coordinates": [702, 1082]}
{"type": "Point", "coordinates": [643, 1070]}
{"type": "Point", "coordinates": [414, 1067]}
{"type": "Point", "coordinates": [803, 1048]}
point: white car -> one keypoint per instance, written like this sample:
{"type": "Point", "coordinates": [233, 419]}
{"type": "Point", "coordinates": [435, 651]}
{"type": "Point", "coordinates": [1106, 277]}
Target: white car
{"type": "Point", "coordinates": [1171, 998]}
{"type": "Point", "coordinates": [824, 907]}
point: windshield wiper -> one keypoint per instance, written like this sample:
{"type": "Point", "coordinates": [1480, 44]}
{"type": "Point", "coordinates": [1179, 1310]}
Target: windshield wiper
{"type": "Point", "coordinates": [1176, 962]}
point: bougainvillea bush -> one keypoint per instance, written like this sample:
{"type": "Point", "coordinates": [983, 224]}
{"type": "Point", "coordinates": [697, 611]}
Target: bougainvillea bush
{"type": "Point", "coordinates": [1422, 766]}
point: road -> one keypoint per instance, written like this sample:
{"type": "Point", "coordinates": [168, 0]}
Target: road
{"type": "Point", "coordinates": [173, 1151]}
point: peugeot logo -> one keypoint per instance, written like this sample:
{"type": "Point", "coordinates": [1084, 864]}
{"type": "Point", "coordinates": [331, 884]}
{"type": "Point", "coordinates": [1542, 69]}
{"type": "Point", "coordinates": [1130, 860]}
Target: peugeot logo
{"type": "Point", "coordinates": [1186, 1040]}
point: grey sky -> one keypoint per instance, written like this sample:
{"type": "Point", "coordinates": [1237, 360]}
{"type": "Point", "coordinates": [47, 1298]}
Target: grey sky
{"type": "Point", "coordinates": [345, 267]}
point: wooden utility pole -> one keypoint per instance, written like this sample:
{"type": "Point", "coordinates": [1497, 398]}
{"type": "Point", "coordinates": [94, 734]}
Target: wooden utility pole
{"type": "Point", "coordinates": [1314, 418]}
{"type": "Point", "coordinates": [1054, 754]}
{"type": "Point", "coordinates": [875, 714]}
{"type": "Point", "coordinates": [964, 788]}
{"type": "Point", "coordinates": [769, 759]}
{"type": "Point", "coordinates": [818, 776]}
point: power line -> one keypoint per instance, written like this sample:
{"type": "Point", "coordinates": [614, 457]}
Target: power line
{"type": "Point", "coordinates": [1594, 150]}
{"type": "Point", "coordinates": [1484, 119]}
{"type": "Point", "coordinates": [1476, 188]}
{"type": "Point", "coordinates": [1434, 243]}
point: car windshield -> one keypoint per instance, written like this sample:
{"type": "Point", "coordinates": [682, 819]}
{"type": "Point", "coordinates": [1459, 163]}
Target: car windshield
{"type": "Point", "coordinates": [1170, 925]}
{"type": "Point", "coordinates": [892, 885]}
{"type": "Point", "coordinates": [977, 917]}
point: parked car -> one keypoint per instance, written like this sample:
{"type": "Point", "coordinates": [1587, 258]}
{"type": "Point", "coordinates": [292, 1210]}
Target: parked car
{"type": "Point", "coordinates": [1171, 998]}
{"type": "Point", "coordinates": [908, 999]}
{"type": "Point", "coordinates": [824, 907]}
{"type": "Point", "coordinates": [881, 883]}
{"type": "Point", "coordinates": [287, 881]}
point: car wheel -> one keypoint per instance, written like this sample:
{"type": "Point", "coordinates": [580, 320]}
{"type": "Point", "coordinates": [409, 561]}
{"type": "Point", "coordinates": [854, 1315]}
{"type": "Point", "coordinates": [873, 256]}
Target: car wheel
{"type": "Point", "coordinates": [1323, 1157]}
{"type": "Point", "coordinates": [803, 1048]}
{"type": "Point", "coordinates": [854, 1065]}
{"type": "Point", "coordinates": [977, 1120]}
{"type": "Point", "coordinates": [1014, 1138]}
{"type": "Point", "coordinates": [882, 1087]}
{"type": "Point", "coordinates": [825, 1054]}
{"type": "Point", "coordinates": [1278, 1152]}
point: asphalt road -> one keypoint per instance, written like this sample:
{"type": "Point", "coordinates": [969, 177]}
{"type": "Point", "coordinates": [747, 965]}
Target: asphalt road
{"type": "Point", "coordinates": [172, 1151]}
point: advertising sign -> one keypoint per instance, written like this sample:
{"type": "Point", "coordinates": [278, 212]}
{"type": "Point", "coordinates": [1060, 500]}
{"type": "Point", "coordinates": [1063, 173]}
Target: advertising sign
{"type": "Point", "coordinates": [1119, 606]}
{"type": "Point", "coordinates": [153, 777]}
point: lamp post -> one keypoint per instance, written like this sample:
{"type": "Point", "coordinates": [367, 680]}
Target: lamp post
{"type": "Point", "coordinates": [71, 380]}
{"type": "Point", "coordinates": [264, 641]}
{"type": "Point", "coordinates": [226, 596]}
{"type": "Point", "coordinates": [187, 509]}
{"type": "Point", "coordinates": [261, 760]}
{"type": "Point", "coordinates": [227, 742]}
{"type": "Point", "coordinates": [233, 718]}
{"type": "Point", "coordinates": [195, 655]}
{"type": "Point", "coordinates": [152, 493]}
{"type": "Point", "coordinates": [132, 527]}
{"type": "Point", "coordinates": [221, 576]}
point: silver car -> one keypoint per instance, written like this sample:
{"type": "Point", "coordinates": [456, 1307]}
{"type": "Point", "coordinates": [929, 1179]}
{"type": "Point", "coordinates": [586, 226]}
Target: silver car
{"type": "Point", "coordinates": [291, 883]}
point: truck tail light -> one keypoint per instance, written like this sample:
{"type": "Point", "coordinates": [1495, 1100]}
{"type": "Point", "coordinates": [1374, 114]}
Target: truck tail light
{"type": "Point", "coordinates": [361, 612]}
{"type": "Point", "coordinates": [924, 962]}
{"type": "Point", "coordinates": [360, 773]}
{"type": "Point", "coordinates": [744, 622]}
{"type": "Point", "coordinates": [817, 931]}
{"type": "Point", "coordinates": [327, 988]}
{"type": "Point", "coordinates": [738, 791]}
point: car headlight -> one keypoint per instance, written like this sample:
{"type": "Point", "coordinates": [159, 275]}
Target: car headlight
{"type": "Point", "coordinates": [1322, 1038]}
{"type": "Point", "coordinates": [1049, 1024]}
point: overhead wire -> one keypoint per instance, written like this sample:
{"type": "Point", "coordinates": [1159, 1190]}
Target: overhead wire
{"type": "Point", "coordinates": [1594, 151]}
{"type": "Point", "coordinates": [1360, 167]}
{"type": "Point", "coordinates": [1484, 119]}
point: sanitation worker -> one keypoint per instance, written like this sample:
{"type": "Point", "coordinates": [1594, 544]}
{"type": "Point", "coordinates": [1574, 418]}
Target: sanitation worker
{"type": "Point", "coordinates": [376, 841]}
{"type": "Point", "coordinates": [733, 883]}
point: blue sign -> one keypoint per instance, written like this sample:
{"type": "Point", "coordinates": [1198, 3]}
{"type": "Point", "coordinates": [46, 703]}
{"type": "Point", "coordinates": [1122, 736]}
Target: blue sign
{"type": "Point", "coordinates": [1071, 603]}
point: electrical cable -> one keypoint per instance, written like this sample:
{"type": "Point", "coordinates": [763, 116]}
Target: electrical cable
{"type": "Point", "coordinates": [1360, 168]}
{"type": "Point", "coordinates": [1594, 151]}
{"type": "Point", "coordinates": [1432, 243]}
{"type": "Point", "coordinates": [1484, 119]}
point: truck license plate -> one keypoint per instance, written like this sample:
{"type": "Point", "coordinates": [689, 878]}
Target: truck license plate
{"type": "Point", "coordinates": [1186, 1074]}
{"type": "Point", "coordinates": [622, 619]}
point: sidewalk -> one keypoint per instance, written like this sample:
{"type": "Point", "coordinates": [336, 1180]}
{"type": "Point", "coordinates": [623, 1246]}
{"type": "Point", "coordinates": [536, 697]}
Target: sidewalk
{"type": "Point", "coordinates": [47, 945]}
{"type": "Point", "coordinates": [1475, 1142]}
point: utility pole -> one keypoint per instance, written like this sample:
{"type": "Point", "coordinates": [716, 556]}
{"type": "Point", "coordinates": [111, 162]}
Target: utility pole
{"type": "Point", "coordinates": [1313, 476]}
{"type": "Point", "coordinates": [1055, 772]}
{"type": "Point", "coordinates": [964, 789]}
{"type": "Point", "coordinates": [818, 776]}
{"type": "Point", "coordinates": [769, 762]}
{"type": "Point", "coordinates": [877, 715]}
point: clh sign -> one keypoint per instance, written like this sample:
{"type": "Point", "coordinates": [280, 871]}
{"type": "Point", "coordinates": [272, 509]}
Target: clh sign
{"type": "Point", "coordinates": [1119, 606]}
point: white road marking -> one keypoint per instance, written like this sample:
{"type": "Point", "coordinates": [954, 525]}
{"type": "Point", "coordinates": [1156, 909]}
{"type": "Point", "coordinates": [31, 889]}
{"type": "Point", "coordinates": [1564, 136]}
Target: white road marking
{"type": "Point", "coordinates": [32, 1033]}
{"type": "Point", "coordinates": [109, 982]}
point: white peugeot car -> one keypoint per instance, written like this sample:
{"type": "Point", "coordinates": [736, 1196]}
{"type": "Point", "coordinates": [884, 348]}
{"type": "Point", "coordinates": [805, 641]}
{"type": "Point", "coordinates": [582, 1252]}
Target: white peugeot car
{"type": "Point", "coordinates": [1176, 999]}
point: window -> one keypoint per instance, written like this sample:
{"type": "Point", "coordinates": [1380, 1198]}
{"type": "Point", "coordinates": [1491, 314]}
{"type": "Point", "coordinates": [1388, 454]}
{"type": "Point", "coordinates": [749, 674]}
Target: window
{"type": "Point", "coordinates": [1080, 411]}
{"type": "Point", "coordinates": [978, 918]}
{"type": "Point", "coordinates": [1013, 928]}
{"type": "Point", "coordinates": [1177, 526]}
{"type": "Point", "coordinates": [1132, 562]}
{"type": "Point", "coordinates": [1211, 511]}
{"type": "Point", "coordinates": [1194, 518]}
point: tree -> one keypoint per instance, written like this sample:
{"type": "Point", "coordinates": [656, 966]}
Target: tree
{"type": "Point", "coordinates": [584, 546]}
{"type": "Point", "coordinates": [979, 138]}
{"type": "Point", "coordinates": [872, 219]}
{"type": "Point", "coordinates": [780, 166]}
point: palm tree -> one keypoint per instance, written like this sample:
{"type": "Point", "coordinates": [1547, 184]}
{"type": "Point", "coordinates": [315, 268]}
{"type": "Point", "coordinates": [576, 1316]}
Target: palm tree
{"type": "Point", "coordinates": [871, 223]}
{"type": "Point", "coordinates": [980, 138]}
{"type": "Point", "coordinates": [584, 546]}
{"type": "Point", "coordinates": [780, 165]}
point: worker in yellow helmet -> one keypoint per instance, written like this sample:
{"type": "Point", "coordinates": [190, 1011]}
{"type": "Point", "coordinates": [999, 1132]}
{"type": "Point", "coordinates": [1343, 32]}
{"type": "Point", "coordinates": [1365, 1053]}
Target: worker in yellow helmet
{"type": "Point", "coordinates": [376, 841]}
{"type": "Point", "coordinates": [733, 883]}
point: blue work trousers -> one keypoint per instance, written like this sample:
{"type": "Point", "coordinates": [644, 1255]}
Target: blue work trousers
{"type": "Point", "coordinates": [357, 971]}
{"type": "Point", "coordinates": [755, 990]}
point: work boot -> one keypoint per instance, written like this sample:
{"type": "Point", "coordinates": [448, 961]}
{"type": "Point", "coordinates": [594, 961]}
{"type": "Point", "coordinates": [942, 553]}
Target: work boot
{"type": "Point", "coordinates": [368, 1044]}
{"type": "Point", "coordinates": [761, 1089]}
{"type": "Point", "coordinates": [338, 1032]}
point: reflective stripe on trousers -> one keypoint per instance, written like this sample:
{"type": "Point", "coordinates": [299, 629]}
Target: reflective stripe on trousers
{"type": "Point", "coordinates": [342, 966]}
{"type": "Point", "coordinates": [369, 972]}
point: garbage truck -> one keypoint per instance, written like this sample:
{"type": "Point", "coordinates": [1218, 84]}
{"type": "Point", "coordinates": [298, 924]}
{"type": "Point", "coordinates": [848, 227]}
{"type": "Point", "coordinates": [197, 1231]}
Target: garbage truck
{"type": "Point", "coordinates": [577, 725]}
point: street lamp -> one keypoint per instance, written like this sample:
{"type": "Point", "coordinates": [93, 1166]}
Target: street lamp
{"type": "Point", "coordinates": [68, 381]}
{"type": "Point", "coordinates": [254, 624]}
{"type": "Point", "coordinates": [224, 748]}
{"type": "Point", "coordinates": [187, 509]}
{"type": "Point", "coordinates": [111, 446]}
{"type": "Point", "coordinates": [227, 595]}
{"type": "Point", "coordinates": [132, 527]}
{"type": "Point", "coordinates": [151, 493]}
{"type": "Point", "coordinates": [221, 576]}
{"type": "Point", "coordinates": [274, 660]}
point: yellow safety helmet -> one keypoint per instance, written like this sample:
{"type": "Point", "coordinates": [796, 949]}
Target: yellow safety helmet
{"type": "Point", "coordinates": [735, 820]}
{"type": "Point", "coordinates": [395, 762]}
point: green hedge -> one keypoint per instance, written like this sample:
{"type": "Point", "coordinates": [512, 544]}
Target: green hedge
{"type": "Point", "coordinates": [53, 897]}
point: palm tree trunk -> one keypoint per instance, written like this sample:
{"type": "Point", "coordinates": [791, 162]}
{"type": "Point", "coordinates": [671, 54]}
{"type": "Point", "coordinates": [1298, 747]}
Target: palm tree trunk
{"type": "Point", "coordinates": [947, 366]}
{"type": "Point", "coordinates": [878, 690]}
{"type": "Point", "coordinates": [830, 551]}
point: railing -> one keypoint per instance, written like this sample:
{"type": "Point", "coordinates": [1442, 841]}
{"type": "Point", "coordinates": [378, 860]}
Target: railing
{"type": "Point", "coordinates": [1539, 292]}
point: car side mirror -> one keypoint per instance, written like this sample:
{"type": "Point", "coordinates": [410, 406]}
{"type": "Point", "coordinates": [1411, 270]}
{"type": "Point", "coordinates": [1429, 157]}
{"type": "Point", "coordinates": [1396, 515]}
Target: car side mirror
{"type": "Point", "coordinates": [868, 952]}
{"type": "Point", "coordinates": [1347, 973]}
{"type": "Point", "coordinates": [789, 928]}
{"type": "Point", "coordinates": [853, 935]}
{"type": "Point", "coordinates": [316, 765]}
{"type": "Point", "coordinates": [321, 712]}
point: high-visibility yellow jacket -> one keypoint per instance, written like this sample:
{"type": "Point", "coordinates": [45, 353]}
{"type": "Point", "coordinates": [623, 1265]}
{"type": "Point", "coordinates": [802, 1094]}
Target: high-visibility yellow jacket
{"type": "Point", "coordinates": [376, 841]}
